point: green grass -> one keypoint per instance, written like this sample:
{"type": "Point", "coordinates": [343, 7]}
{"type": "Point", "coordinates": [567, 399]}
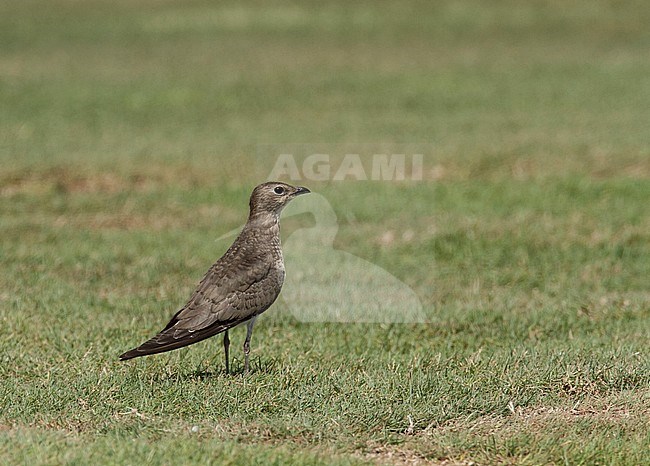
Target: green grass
{"type": "Point", "coordinates": [130, 136]}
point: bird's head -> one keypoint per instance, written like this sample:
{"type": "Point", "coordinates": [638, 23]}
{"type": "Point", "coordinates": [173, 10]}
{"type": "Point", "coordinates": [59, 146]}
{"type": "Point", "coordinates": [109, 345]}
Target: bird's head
{"type": "Point", "coordinates": [271, 197]}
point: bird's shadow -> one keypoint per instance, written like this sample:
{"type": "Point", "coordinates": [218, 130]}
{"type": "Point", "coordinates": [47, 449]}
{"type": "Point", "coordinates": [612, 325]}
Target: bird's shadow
{"type": "Point", "coordinates": [236, 371]}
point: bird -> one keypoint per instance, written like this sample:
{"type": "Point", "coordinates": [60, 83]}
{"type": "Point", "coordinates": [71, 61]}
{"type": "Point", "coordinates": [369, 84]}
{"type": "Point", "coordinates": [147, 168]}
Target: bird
{"type": "Point", "coordinates": [237, 288]}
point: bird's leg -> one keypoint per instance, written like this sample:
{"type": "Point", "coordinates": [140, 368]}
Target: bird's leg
{"type": "Point", "coordinates": [247, 343]}
{"type": "Point", "coordinates": [226, 346]}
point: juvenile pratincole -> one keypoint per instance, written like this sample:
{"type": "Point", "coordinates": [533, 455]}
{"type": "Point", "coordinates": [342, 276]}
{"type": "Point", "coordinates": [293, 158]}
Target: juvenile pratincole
{"type": "Point", "coordinates": [239, 286]}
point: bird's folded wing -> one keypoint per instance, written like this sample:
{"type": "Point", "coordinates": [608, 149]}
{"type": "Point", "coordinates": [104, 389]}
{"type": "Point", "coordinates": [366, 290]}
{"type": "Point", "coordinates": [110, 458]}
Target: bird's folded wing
{"type": "Point", "coordinates": [217, 305]}
{"type": "Point", "coordinates": [239, 286]}
{"type": "Point", "coordinates": [224, 295]}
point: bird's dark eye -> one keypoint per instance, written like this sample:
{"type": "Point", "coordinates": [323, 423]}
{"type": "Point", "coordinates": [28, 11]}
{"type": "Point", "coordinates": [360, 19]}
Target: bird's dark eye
{"type": "Point", "coordinates": [278, 190]}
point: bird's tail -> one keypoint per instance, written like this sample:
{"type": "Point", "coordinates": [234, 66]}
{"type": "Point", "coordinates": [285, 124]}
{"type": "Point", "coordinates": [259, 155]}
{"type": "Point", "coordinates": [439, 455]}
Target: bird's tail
{"type": "Point", "coordinates": [148, 347]}
{"type": "Point", "coordinates": [134, 353]}
{"type": "Point", "coordinates": [158, 344]}
{"type": "Point", "coordinates": [171, 339]}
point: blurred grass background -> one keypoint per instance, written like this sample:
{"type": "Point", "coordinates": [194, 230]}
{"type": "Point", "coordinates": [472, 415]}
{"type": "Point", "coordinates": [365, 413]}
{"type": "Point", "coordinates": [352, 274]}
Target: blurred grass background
{"type": "Point", "coordinates": [129, 140]}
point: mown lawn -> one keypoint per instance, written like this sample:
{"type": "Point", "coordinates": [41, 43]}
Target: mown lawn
{"type": "Point", "coordinates": [132, 132]}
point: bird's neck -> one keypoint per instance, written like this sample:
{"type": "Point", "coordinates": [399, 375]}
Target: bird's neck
{"type": "Point", "coordinates": [264, 221]}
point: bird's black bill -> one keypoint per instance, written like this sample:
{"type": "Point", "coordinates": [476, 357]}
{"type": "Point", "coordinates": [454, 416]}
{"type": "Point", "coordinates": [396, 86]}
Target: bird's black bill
{"type": "Point", "coordinates": [301, 190]}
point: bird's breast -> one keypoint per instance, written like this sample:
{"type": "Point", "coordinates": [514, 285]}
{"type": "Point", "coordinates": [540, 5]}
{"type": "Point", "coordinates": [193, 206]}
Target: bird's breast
{"type": "Point", "coordinates": [280, 273]}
